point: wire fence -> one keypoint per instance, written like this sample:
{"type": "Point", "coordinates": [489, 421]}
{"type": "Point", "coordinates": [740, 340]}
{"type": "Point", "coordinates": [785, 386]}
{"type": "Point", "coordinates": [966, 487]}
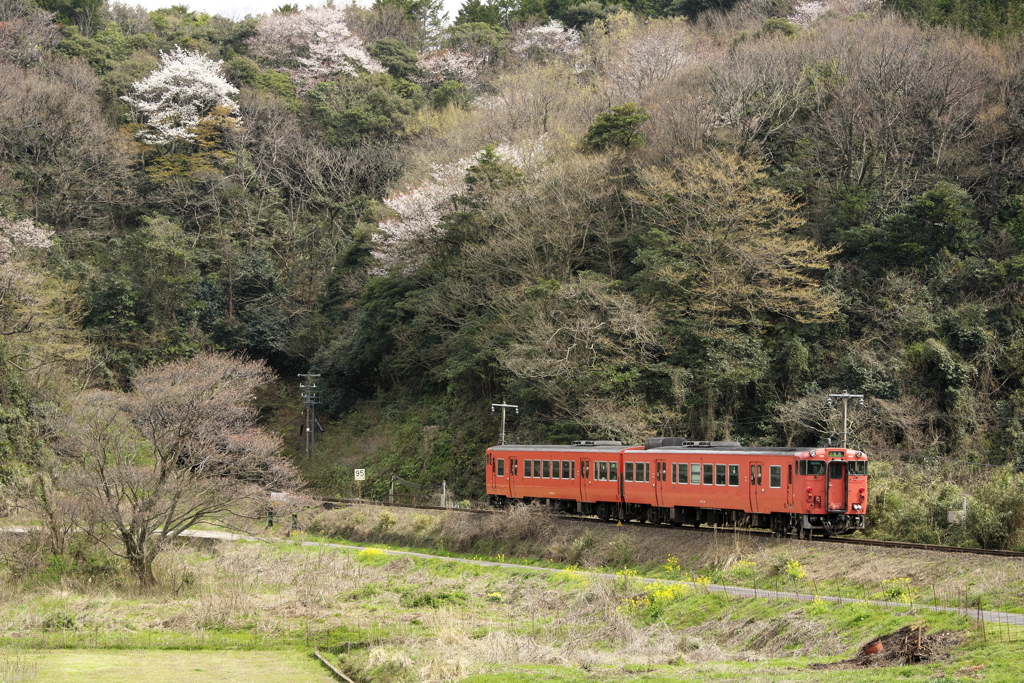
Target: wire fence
{"type": "Point", "coordinates": [1003, 622]}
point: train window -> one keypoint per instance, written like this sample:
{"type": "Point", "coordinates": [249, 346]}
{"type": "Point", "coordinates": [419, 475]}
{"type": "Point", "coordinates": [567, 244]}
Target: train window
{"type": "Point", "coordinates": [682, 472]}
{"type": "Point", "coordinates": [565, 469]}
{"type": "Point", "coordinates": [536, 469]}
{"type": "Point", "coordinates": [547, 469]}
{"type": "Point", "coordinates": [501, 467]}
{"type": "Point", "coordinates": [709, 474]}
{"type": "Point", "coordinates": [627, 471]}
{"type": "Point", "coordinates": [643, 471]}
{"type": "Point", "coordinates": [602, 471]}
{"type": "Point", "coordinates": [695, 473]}
{"type": "Point", "coordinates": [572, 469]}
{"type": "Point", "coordinates": [585, 469]}
{"type": "Point", "coordinates": [613, 471]}
{"type": "Point", "coordinates": [664, 472]}
{"type": "Point", "coordinates": [814, 467]}
{"type": "Point", "coordinates": [836, 471]}
{"type": "Point", "coordinates": [555, 470]}
{"type": "Point", "coordinates": [775, 476]}
{"type": "Point", "coordinates": [857, 467]}
{"type": "Point", "coordinates": [674, 473]}
{"type": "Point", "coordinates": [528, 469]}
{"type": "Point", "coordinates": [720, 475]}
{"type": "Point", "coordinates": [758, 475]}
{"type": "Point", "coordinates": [734, 475]}
{"type": "Point", "coordinates": [514, 464]}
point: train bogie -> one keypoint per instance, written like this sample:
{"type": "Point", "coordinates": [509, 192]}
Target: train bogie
{"type": "Point", "coordinates": [671, 481]}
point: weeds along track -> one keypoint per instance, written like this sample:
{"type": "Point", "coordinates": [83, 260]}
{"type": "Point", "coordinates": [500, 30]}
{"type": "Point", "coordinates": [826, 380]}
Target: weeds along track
{"type": "Point", "coordinates": [335, 502]}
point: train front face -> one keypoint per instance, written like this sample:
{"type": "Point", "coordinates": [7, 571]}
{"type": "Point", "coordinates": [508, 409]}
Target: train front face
{"type": "Point", "coordinates": [835, 482]}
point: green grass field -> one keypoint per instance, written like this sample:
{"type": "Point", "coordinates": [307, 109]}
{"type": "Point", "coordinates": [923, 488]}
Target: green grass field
{"type": "Point", "coordinates": [161, 666]}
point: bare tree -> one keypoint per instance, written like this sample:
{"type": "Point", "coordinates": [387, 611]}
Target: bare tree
{"type": "Point", "coordinates": [181, 449]}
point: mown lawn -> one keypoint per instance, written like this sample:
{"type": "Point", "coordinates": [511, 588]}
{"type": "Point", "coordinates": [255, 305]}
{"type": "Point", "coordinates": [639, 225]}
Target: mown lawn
{"type": "Point", "coordinates": [162, 666]}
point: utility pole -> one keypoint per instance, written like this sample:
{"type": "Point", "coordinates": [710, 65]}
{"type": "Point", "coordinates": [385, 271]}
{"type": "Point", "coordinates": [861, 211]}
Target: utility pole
{"type": "Point", "coordinates": [846, 396]}
{"type": "Point", "coordinates": [503, 406]}
{"type": "Point", "coordinates": [310, 399]}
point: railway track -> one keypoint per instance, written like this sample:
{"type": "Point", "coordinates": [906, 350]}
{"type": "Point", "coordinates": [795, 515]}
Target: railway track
{"type": "Point", "coordinates": [335, 502]}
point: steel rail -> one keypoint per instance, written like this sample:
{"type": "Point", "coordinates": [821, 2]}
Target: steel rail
{"type": "Point", "coordinates": [334, 502]}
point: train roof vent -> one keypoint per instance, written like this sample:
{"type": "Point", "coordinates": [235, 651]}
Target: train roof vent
{"type": "Point", "coordinates": [676, 442]}
{"type": "Point", "coordinates": [665, 442]}
{"type": "Point", "coordinates": [591, 442]}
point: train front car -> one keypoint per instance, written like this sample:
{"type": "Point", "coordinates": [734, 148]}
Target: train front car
{"type": "Point", "coordinates": [580, 478]}
{"type": "Point", "coordinates": [833, 488]}
{"type": "Point", "coordinates": [719, 483]}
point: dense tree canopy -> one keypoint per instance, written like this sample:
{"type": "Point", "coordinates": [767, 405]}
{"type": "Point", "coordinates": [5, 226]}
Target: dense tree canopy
{"type": "Point", "coordinates": [692, 218]}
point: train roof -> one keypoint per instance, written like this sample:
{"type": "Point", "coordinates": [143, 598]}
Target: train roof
{"type": "Point", "coordinates": [554, 448]}
{"type": "Point", "coordinates": [738, 450]}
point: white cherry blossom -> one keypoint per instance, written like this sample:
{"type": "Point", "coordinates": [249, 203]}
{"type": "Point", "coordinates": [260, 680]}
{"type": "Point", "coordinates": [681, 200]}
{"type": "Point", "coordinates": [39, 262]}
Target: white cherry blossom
{"type": "Point", "coordinates": [172, 100]}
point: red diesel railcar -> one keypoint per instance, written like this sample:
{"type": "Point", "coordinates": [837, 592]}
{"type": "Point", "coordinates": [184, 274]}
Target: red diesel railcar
{"type": "Point", "coordinates": [672, 481]}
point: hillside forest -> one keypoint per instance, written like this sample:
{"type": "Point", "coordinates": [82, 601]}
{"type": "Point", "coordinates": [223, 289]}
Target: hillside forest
{"type": "Point", "coordinates": [694, 218]}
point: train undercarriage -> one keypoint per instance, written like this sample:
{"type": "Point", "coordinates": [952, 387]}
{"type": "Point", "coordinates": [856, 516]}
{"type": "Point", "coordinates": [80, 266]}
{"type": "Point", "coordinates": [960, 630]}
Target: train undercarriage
{"type": "Point", "coordinates": [781, 523]}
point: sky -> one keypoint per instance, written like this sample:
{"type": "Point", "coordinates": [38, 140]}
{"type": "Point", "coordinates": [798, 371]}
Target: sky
{"type": "Point", "coordinates": [237, 9]}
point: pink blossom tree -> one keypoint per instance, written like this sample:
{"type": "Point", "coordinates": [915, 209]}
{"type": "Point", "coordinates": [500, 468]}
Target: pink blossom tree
{"type": "Point", "coordinates": [313, 45]}
{"type": "Point", "coordinates": [403, 241]}
{"type": "Point", "coordinates": [552, 39]}
{"type": "Point", "coordinates": [181, 449]}
{"type": "Point", "coordinates": [807, 12]}
{"type": "Point", "coordinates": [449, 65]}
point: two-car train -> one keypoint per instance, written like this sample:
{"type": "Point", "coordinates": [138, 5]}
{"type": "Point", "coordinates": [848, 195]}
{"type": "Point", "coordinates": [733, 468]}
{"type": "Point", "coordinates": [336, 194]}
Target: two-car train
{"type": "Point", "coordinates": [673, 481]}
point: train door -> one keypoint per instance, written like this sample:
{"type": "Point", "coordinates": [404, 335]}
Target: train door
{"type": "Point", "coordinates": [660, 472]}
{"type": "Point", "coordinates": [756, 486]}
{"type": "Point", "coordinates": [836, 492]}
{"type": "Point", "coordinates": [585, 482]}
{"type": "Point", "coordinates": [513, 472]}
{"type": "Point", "coordinates": [789, 486]}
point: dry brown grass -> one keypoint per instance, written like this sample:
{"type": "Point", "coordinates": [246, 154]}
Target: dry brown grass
{"type": "Point", "coordinates": [530, 532]}
{"type": "Point", "coordinates": [474, 620]}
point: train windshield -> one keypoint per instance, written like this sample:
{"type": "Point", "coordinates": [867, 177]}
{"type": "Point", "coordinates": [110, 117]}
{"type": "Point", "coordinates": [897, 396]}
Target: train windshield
{"type": "Point", "coordinates": [812, 467]}
{"type": "Point", "coordinates": [857, 467]}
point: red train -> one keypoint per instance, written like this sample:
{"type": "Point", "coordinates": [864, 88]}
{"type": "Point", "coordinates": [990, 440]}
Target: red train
{"type": "Point", "coordinates": [673, 481]}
